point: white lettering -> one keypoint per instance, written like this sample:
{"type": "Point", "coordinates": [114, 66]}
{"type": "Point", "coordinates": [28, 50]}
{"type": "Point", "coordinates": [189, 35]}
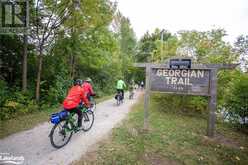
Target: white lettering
{"type": "Point", "coordinates": [171, 73]}
{"type": "Point", "coordinates": [200, 73]}
{"type": "Point", "coordinates": [159, 72]}
{"type": "Point", "coordinates": [180, 81]}
{"type": "Point", "coordinates": [174, 80]}
{"type": "Point", "coordinates": [184, 73]}
{"type": "Point", "coordinates": [177, 73]}
{"type": "Point", "coordinates": [165, 73]}
{"type": "Point", "coordinates": [168, 80]}
{"type": "Point", "coordinates": [193, 74]}
{"type": "Point", "coordinates": [187, 82]}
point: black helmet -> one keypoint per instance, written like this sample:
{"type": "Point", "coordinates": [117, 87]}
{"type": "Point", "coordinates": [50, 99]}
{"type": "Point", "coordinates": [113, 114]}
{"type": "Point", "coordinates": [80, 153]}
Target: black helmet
{"type": "Point", "coordinates": [78, 82]}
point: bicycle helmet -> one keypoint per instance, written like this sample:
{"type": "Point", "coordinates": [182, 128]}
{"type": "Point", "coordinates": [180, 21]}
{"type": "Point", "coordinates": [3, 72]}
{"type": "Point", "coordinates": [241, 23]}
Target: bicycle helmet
{"type": "Point", "coordinates": [78, 82]}
{"type": "Point", "coordinates": [88, 79]}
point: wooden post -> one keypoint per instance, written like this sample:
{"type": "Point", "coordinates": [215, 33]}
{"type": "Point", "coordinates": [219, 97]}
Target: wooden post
{"type": "Point", "coordinates": [212, 103]}
{"type": "Point", "coordinates": [147, 97]}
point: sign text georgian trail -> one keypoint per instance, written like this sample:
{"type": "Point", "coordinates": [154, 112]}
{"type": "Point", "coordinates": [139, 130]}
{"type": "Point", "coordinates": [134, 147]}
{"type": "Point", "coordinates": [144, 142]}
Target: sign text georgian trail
{"type": "Point", "coordinates": [194, 81]}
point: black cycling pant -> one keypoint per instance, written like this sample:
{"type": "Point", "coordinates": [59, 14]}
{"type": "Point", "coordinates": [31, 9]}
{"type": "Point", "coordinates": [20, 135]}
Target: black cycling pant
{"type": "Point", "coordinates": [79, 113]}
{"type": "Point", "coordinates": [122, 92]}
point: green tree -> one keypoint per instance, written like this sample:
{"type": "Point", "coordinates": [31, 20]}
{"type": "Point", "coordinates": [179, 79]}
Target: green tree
{"type": "Point", "coordinates": [127, 44]}
{"type": "Point", "coordinates": [241, 47]}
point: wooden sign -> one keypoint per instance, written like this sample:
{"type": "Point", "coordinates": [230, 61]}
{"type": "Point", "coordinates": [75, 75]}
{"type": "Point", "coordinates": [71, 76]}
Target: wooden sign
{"type": "Point", "coordinates": [197, 79]}
{"type": "Point", "coordinates": [180, 81]}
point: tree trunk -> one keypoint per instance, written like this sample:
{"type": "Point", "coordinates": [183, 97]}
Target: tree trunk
{"type": "Point", "coordinates": [37, 94]}
{"type": "Point", "coordinates": [24, 64]}
{"type": "Point", "coordinates": [72, 61]}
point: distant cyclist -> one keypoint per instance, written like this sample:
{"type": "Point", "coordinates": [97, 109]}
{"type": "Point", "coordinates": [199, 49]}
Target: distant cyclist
{"type": "Point", "coordinates": [131, 88]}
{"type": "Point", "coordinates": [120, 87]}
{"type": "Point", "coordinates": [74, 98]}
{"type": "Point", "coordinates": [142, 85]}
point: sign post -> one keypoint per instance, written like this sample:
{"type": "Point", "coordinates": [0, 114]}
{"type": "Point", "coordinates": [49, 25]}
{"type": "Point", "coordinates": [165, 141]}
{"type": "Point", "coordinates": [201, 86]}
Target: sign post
{"type": "Point", "coordinates": [183, 78]}
{"type": "Point", "coordinates": [147, 96]}
{"type": "Point", "coordinates": [212, 103]}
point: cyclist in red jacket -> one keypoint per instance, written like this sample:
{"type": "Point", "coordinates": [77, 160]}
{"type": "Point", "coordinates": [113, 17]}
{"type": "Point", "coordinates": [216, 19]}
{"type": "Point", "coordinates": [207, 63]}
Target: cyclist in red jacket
{"type": "Point", "coordinates": [76, 95]}
{"type": "Point", "coordinates": [87, 87]}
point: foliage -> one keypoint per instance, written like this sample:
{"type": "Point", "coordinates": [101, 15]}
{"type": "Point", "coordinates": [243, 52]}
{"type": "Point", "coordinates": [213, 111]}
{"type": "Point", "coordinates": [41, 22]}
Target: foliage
{"type": "Point", "coordinates": [18, 103]}
{"type": "Point", "coordinates": [64, 44]}
{"type": "Point", "coordinates": [58, 91]}
{"type": "Point", "coordinates": [236, 101]}
{"type": "Point", "coordinates": [241, 47]}
{"type": "Point", "coordinates": [182, 104]}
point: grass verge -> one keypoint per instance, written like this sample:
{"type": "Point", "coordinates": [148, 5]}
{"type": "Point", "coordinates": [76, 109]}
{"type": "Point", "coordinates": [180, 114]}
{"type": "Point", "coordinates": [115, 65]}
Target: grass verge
{"type": "Point", "coordinates": [171, 139]}
{"type": "Point", "coordinates": [29, 121]}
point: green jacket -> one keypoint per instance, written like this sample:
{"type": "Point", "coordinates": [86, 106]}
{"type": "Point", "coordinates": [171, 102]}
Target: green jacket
{"type": "Point", "coordinates": [120, 84]}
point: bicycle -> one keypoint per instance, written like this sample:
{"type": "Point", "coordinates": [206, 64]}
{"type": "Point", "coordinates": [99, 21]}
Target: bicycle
{"type": "Point", "coordinates": [131, 94]}
{"type": "Point", "coordinates": [92, 103]}
{"type": "Point", "coordinates": [119, 98]}
{"type": "Point", "coordinates": [65, 125]}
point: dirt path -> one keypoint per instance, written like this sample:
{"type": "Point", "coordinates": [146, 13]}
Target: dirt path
{"type": "Point", "coordinates": [35, 145]}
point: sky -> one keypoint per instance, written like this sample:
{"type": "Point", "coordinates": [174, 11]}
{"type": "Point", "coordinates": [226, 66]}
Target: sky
{"type": "Point", "coordinates": [175, 15]}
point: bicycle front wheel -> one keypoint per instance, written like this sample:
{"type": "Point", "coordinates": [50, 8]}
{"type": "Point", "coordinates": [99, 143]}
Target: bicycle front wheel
{"type": "Point", "coordinates": [93, 105]}
{"type": "Point", "coordinates": [88, 120]}
{"type": "Point", "coordinates": [61, 134]}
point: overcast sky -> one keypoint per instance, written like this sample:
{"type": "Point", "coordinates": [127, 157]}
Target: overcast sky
{"type": "Point", "coordinates": [175, 15]}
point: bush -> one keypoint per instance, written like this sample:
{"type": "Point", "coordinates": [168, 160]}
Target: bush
{"type": "Point", "coordinates": [16, 103]}
{"type": "Point", "coordinates": [236, 102]}
{"type": "Point", "coordinates": [181, 104]}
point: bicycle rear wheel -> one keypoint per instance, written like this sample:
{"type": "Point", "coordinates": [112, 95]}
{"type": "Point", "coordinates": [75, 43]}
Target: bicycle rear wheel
{"type": "Point", "coordinates": [61, 134]}
{"type": "Point", "coordinates": [118, 100]}
{"type": "Point", "coordinates": [88, 120]}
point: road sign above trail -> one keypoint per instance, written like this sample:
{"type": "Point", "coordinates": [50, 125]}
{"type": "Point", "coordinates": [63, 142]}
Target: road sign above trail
{"type": "Point", "coordinates": [180, 81]}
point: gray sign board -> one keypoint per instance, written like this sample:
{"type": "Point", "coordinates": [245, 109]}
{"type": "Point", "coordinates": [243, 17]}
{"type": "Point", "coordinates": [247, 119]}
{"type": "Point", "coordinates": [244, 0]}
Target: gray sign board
{"type": "Point", "coordinates": [180, 81]}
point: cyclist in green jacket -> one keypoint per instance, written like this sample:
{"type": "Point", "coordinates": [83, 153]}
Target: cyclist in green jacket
{"type": "Point", "coordinates": [120, 87]}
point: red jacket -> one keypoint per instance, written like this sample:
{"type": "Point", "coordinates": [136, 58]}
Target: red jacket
{"type": "Point", "coordinates": [74, 97]}
{"type": "Point", "coordinates": [87, 88]}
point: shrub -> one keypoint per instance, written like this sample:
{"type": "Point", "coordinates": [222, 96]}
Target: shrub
{"type": "Point", "coordinates": [16, 103]}
{"type": "Point", "coordinates": [180, 103]}
{"type": "Point", "coordinates": [236, 102]}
